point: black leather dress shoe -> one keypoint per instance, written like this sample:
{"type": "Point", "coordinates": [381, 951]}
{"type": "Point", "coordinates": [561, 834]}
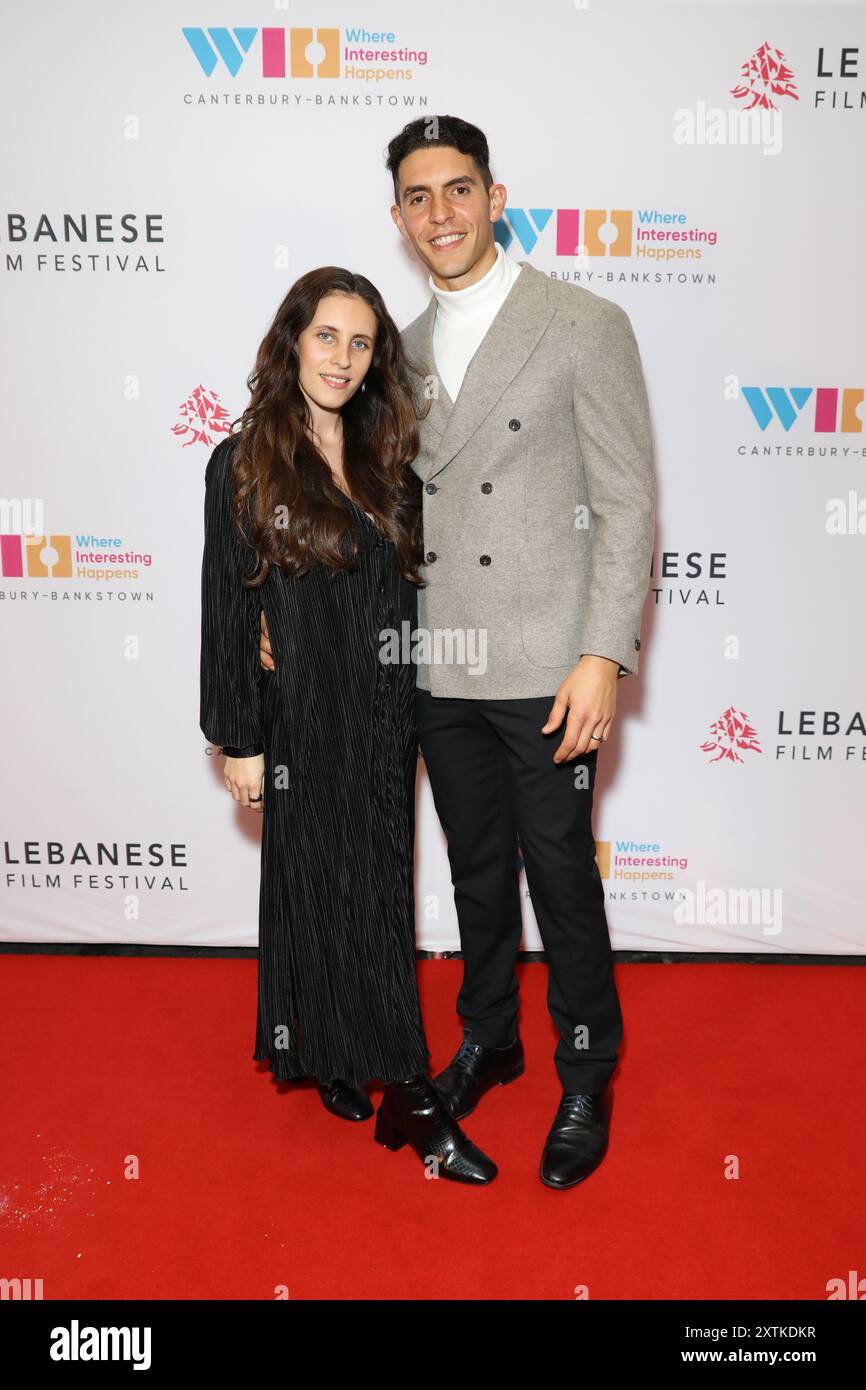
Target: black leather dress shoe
{"type": "Point", "coordinates": [474, 1070]}
{"type": "Point", "coordinates": [349, 1102]}
{"type": "Point", "coordinates": [413, 1112]}
{"type": "Point", "coordinates": [577, 1141]}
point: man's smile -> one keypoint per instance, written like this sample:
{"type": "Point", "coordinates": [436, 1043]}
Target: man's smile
{"type": "Point", "coordinates": [447, 239]}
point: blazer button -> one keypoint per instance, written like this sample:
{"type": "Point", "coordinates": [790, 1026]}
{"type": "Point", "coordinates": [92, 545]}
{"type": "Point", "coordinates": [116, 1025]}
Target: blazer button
{"type": "Point", "coordinates": [431, 487]}
{"type": "Point", "coordinates": [637, 644]}
{"type": "Point", "coordinates": [484, 559]}
{"type": "Point", "coordinates": [486, 487]}
{"type": "Point", "coordinates": [430, 556]}
{"type": "Point", "coordinates": [514, 424]}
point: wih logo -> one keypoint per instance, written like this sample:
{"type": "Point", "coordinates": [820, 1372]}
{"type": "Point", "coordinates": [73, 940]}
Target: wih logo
{"type": "Point", "coordinates": [33, 556]}
{"type": "Point", "coordinates": [835, 407]}
{"type": "Point", "coordinates": [605, 233]}
{"type": "Point", "coordinates": [231, 46]}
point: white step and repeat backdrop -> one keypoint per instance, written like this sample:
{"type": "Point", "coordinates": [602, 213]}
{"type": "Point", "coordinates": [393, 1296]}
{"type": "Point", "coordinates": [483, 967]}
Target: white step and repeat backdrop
{"type": "Point", "coordinates": [171, 169]}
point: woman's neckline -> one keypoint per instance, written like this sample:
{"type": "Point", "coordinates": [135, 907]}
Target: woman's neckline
{"type": "Point", "coordinates": [360, 509]}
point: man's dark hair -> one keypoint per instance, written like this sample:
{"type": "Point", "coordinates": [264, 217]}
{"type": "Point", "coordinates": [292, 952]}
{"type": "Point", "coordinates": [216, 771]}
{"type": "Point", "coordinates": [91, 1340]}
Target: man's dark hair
{"type": "Point", "coordinates": [439, 130]}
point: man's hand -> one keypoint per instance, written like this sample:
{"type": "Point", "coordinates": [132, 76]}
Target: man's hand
{"type": "Point", "coordinates": [245, 777]}
{"type": "Point", "coordinates": [588, 695]}
{"type": "Point", "coordinates": [265, 657]}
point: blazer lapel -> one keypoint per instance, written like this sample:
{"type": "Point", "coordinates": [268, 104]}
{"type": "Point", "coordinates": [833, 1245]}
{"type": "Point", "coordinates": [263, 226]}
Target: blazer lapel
{"type": "Point", "coordinates": [441, 403]}
{"type": "Point", "coordinates": [522, 318]}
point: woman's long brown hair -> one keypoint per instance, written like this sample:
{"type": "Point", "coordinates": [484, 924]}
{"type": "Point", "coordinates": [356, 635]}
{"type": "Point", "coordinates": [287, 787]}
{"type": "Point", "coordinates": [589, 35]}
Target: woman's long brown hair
{"type": "Point", "coordinates": [277, 465]}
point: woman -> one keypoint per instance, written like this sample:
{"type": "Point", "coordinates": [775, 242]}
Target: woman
{"type": "Point", "coordinates": [312, 515]}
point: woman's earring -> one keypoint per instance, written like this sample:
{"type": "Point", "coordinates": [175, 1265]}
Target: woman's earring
{"type": "Point", "coordinates": [363, 385]}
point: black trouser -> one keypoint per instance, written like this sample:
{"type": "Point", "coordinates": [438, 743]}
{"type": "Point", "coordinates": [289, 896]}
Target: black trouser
{"type": "Point", "coordinates": [494, 780]}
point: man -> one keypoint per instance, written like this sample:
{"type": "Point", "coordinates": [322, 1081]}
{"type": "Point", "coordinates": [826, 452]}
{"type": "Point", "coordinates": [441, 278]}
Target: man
{"type": "Point", "coordinates": [536, 459]}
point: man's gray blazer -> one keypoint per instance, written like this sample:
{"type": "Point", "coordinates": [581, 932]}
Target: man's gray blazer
{"type": "Point", "coordinates": [539, 494]}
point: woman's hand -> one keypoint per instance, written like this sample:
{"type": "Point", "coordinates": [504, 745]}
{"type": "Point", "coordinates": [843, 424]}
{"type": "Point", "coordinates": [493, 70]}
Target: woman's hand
{"type": "Point", "coordinates": [245, 778]}
{"type": "Point", "coordinates": [265, 655]}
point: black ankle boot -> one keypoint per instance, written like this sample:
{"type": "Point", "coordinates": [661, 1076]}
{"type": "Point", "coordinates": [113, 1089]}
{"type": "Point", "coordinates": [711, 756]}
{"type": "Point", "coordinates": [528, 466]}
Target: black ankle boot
{"type": "Point", "coordinates": [349, 1102]}
{"type": "Point", "coordinates": [413, 1112]}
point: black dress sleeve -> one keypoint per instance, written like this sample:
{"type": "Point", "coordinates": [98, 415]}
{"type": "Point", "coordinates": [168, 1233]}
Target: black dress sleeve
{"type": "Point", "coordinates": [230, 686]}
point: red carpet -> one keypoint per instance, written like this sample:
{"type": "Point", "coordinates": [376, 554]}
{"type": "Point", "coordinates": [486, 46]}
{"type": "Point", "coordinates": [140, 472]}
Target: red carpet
{"type": "Point", "coordinates": [245, 1186]}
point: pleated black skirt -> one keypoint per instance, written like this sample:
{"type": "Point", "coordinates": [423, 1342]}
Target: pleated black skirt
{"type": "Point", "coordinates": [337, 981]}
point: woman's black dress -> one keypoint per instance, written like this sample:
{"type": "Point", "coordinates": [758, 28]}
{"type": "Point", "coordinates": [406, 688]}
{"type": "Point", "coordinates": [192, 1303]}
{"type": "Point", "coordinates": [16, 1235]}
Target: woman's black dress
{"type": "Point", "coordinates": [337, 983]}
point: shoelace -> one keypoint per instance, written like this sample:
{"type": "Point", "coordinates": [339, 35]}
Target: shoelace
{"type": "Point", "coordinates": [466, 1053]}
{"type": "Point", "coordinates": [578, 1100]}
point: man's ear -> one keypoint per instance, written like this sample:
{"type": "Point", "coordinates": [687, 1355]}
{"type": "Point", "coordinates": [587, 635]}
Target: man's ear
{"type": "Point", "coordinates": [397, 219]}
{"type": "Point", "coordinates": [498, 198]}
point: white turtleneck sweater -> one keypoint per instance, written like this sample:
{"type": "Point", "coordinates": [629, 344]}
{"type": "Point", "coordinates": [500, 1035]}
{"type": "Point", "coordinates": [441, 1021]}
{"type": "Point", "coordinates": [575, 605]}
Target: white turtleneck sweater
{"type": "Point", "coordinates": [464, 316]}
